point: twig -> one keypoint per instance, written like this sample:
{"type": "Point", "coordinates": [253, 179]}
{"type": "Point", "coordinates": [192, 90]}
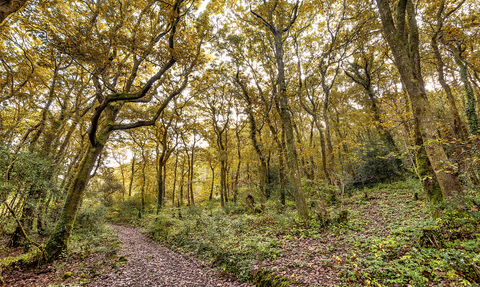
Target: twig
{"type": "Point", "coordinates": [429, 239]}
{"type": "Point", "coordinates": [434, 239]}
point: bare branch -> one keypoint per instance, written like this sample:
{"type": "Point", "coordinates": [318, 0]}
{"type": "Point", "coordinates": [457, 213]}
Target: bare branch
{"type": "Point", "coordinates": [269, 25]}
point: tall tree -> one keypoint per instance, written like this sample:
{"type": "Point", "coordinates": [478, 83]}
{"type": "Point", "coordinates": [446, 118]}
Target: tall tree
{"type": "Point", "coordinates": [113, 93]}
{"type": "Point", "coordinates": [402, 35]}
{"type": "Point", "coordinates": [278, 18]}
{"type": "Point", "coordinates": [218, 105]}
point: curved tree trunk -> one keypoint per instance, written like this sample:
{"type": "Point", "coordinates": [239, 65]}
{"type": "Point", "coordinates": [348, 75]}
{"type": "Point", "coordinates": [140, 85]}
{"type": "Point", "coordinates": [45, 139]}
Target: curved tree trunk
{"type": "Point", "coordinates": [131, 177]}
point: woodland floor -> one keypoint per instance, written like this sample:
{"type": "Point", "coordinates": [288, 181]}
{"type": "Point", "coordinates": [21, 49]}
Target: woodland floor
{"type": "Point", "coordinates": [140, 262]}
{"type": "Point", "coordinates": [379, 245]}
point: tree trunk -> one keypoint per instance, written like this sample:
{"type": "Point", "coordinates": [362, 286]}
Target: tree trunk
{"type": "Point", "coordinates": [256, 144]}
{"type": "Point", "coordinates": [237, 173]}
{"type": "Point", "coordinates": [63, 228]}
{"type": "Point", "coordinates": [407, 60]}
{"type": "Point", "coordinates": [174, 179]}
{"type": "Point", "coordinates": [281, 163]}
{"type": "Point", "coordinates": [144, 179]}
{"type": "Point", "coordinates": [424, 169]}
{"type": "Point", "coordinates": [188, 180]}
{"type": "Point", "coordinates": [162, 173]}
{"type": "Point", "coordinates": [292, 159]}
{"type": "Point", "coordinates": [182, 181]}
{"type": "Point", "coordinates": [222, 182]}
{"type": "Point", "coordinates": [131, 177]}
{"type": "Point", "coordinates": [459, 129]}
{"type": "Point", "coordinates": [313, 167]}
{"type": "Point", "coordinates": [303, 170]}
{"type": "Point", "coordinates": [470, 108]}
{"type": "Point", "coordinates": [213, 182]}
{"type": "Point", "coordinates": [328, 139]}
{"type": "Point", "coordinates": [160, 184]}
{"type": "Point", "coordinates": [192, 199]}
{"type": "Point", "coordinates": [164, 182]}
{"type": "Point", "coordinates": [281, 156]}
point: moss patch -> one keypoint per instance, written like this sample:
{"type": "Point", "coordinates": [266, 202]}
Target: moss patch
{"type": "Point", "coordinates": [266, 278]}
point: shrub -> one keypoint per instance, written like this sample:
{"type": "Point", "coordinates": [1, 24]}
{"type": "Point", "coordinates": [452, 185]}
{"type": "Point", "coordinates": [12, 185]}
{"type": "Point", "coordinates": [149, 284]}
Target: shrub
{"type": "Point", "coordinates": [91, 218]}
{"type": "Point", "coordinates": [30, 177]}
{"type": "Point", "coordinates": [125, 211]}
{"type": "Point", "coordinates": [161, 228]}
{"type": "Point", "coordinates": [234, 208]}
{"type": "Point", "coordinates": [376, 166]}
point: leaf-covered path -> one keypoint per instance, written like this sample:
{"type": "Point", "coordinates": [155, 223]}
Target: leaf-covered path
{"type": "Point", "coordinates": [150, 264]}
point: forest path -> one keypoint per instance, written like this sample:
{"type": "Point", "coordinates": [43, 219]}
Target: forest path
{"type": "Point", "coordinates": [150, 264]}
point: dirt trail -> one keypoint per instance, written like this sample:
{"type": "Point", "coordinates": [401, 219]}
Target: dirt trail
{"type": "Point", "coordinates": [150, 264]}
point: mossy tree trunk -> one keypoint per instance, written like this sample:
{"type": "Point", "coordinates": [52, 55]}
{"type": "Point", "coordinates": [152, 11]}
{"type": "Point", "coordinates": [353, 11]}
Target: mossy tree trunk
{"type": "Point", "coordinates": [403, 38]}
{"type": "Point", "coordinates": [281, 163]}
{"type": "Point", "coordinates": [279, 138]}
{"type": "Point", "coordinates": [292, 157]}
{"type": "Point", "coordinates": [424, 169]}
{"type": "Point", "coordinates": [63, 228]}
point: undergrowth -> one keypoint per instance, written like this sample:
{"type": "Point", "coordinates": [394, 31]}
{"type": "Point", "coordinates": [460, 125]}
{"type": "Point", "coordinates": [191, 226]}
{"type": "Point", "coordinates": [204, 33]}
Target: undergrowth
{"type": "Point", "coordinates": [233, 242]}
{"type": "Point", "coordinates": [417, 249]}
{"type": "Point", "coordinates": [90, 237]}
{"type": "Point", "coordinates": [385, 242]}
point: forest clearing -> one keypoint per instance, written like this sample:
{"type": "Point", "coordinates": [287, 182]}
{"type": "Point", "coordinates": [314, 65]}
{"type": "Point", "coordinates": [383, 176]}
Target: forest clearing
{"type": "Point", "coordinates": [239, 143]}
